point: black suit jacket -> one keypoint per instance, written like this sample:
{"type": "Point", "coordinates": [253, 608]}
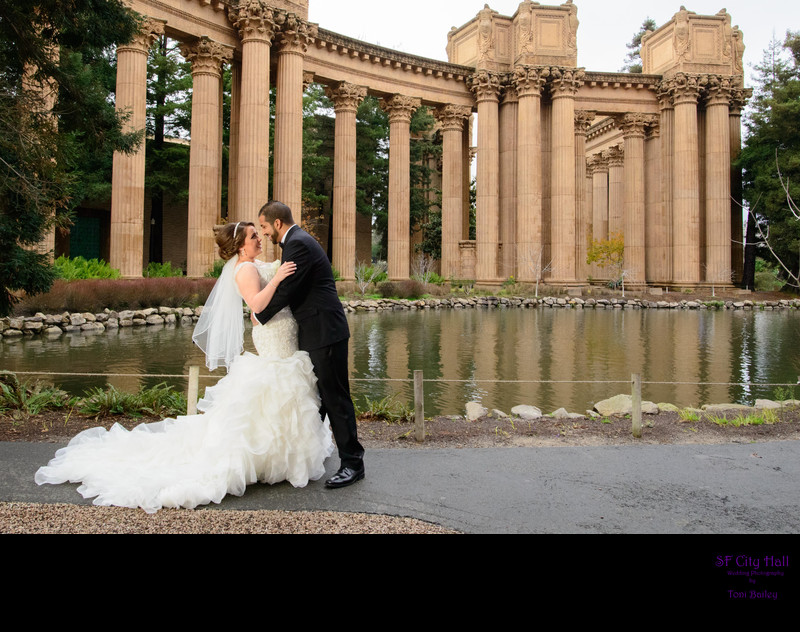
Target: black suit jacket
{"type": "Point", "coordinates": [310, 293]}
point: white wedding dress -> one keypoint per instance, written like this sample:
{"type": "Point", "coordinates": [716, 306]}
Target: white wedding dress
{"type": "Point", "coordinates": [259, 424]}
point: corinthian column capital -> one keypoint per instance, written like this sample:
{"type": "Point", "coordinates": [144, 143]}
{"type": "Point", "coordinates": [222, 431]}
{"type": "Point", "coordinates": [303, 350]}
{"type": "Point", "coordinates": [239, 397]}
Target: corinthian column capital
{"type": "Point", "coordinates": [346, 96]}
{"type": "Point", "coordinates": [583, 120]}
{"type": "Point", "coordinates": [565, 82]}
{"type": "Point", "coordinates": [452, 117]}
{"type": "Point", "coordinates": [719, 89]}
{"type": "Point", "coordinates": [150, 31]}
{"type": "Point", "coordinates": [485, 85]}
{"type": "Point", "coordinates": [400, 108]}
{"type": "Point", "coordinates": [207, 56]}
{"type": "Point", "coordinates": [614, 156]}
{"type": "Point", "coordinates": [297, 34]}
{"type": "Point", "coordinates": [530, 80]}
{"type": "Point", "coordinates": [255, 20]}
{"type": "Point", "coordinates": [633, 124]}
{"type": "Point", "coordinates": [685, 88]}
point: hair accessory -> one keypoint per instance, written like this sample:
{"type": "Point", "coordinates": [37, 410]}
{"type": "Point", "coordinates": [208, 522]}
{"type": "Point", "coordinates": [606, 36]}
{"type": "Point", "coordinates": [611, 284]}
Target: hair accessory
{"type": "Point", "coordinates": [235, 230]}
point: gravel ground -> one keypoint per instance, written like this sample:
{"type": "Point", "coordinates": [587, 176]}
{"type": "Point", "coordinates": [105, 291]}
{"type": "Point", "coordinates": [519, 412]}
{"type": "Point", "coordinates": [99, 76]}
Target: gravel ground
{"type": "Point", "coordinates": [19, 518]}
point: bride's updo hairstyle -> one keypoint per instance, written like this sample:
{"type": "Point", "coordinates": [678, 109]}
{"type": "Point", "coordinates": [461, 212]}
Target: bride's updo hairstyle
{"type": "Point", "coordinates": [230, 239]}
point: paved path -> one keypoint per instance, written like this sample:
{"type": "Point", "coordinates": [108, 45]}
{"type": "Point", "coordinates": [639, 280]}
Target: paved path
{"type": "Point", "coordinates": [735, 488]}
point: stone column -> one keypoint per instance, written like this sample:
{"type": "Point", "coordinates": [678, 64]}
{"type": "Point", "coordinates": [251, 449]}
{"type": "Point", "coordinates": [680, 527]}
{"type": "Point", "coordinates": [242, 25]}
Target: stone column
{"type": "Point", "coordinates": [127, 184]}
{"type": "Point", "coordinates": [452, 119]}
{"type": "Point", "coordinates": [400, 109]}
{"type": "Point", "coordinates": [529, 82]}
{"type": "Point", "coordinates": [346, 98]}
{"type": "Point", "coordinates": [588, 233]}
{"type": "Point", "coordinates": [565, 84]}
{"type": "Point", "coordinates": [686, 185]}
{"type": "Point", "coordinates": [486, 87]}
{"type": "Point", "coordinates": [600, 203]}
{"type": "Point", "coordinates": [667, 134]}
{"type": "Point", "coordinates": [207, 58]}
{"type": "Point", "coordinates": [635, 261]}
{"type": "Point", "coordinates": [719, 270]}
{"type": "Point", "coordinates": [288, 162]}
{"type": "Point", "coordinates": [739, 99]}
{"type": "Point", "coordinates": [583, 215]}
{"type": "Point", "coordinates": [655, 226]}
{"type": "Point", "coordinates": [257, 25]}
{"type": "Point", "coordinates": [233, 143]}
{"type": "Point", "coordinates": [508, 180]}
{"type": "Point", "coordinates": [616, 191]}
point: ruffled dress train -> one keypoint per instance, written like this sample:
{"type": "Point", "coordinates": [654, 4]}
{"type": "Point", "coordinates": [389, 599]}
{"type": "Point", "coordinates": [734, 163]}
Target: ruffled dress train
{"type": "Point", "coordinates": [259, 424]}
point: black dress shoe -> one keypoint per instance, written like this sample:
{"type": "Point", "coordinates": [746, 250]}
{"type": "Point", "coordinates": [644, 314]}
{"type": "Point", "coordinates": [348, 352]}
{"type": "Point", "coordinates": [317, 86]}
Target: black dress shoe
{"type": "Point", "coordinates": [344, 477]}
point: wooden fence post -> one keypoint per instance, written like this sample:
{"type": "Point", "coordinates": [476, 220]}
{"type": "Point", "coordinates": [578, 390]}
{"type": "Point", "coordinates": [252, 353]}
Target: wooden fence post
{"type": "Point", "coordinates": [636, 402]}
{"type": "Point", "coordinates": [419, 407]}
{"type": "Point", "coordinates": [194, 388]}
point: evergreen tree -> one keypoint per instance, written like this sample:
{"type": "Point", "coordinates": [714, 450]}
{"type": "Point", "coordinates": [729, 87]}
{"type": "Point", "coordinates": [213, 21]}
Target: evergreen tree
{"type": "Point", "coordinates": [55, 116]}
{"type": "Point", "coordinates": [633, 61]}
{"type": "Point", "coordinates": [770, 158]}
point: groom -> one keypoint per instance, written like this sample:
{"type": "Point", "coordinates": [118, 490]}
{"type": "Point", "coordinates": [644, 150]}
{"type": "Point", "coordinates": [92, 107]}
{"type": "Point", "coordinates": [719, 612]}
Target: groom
{"type": "Point", "coordinates": [322, 331]}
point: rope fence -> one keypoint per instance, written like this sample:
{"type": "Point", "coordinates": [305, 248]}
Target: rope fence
{"type": "Point", "coordinates": [419, 381]}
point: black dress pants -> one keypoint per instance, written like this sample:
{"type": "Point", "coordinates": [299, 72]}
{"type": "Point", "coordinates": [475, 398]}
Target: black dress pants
{"type": "Point", "coordinates": [330, 367]}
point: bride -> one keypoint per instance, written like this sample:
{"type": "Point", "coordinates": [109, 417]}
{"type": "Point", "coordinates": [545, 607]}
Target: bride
{"type": "Point", "coordinates": [259, 424]}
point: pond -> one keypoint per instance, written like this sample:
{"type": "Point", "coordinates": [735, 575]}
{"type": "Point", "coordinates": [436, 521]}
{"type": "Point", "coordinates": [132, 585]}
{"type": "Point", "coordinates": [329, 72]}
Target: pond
{"type": "Point", "coordinates": [550, 358]}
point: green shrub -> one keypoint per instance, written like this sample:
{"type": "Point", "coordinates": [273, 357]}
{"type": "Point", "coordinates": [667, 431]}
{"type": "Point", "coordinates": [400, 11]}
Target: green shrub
{"type": "Point", "coordinates": [80, 269]}
{"type": "Point", "coordinates": [158, 401]}
{"type": "Point", "coordinates": [30, 398]}
{"type": "Point", "coordinates": [162, 270]}
{"type": "Point", "coordinates": [216, 270]}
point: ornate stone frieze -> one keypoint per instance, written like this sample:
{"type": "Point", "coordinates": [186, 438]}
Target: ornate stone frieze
{"type": "Point", "coordinates": [206, 56]}
{"type": "Point", "coordinates": [452, 117]}
{"type": "Point", "coordinates": [739, 98]}
{"type": "Point", "coordinates": [400, 108]}
{"type": "Point", "coordinates": [530, 80]}
{"type": "Point", "coordinates": [346, 96]}
{"type": "Point", "coordinates": [485, 85]}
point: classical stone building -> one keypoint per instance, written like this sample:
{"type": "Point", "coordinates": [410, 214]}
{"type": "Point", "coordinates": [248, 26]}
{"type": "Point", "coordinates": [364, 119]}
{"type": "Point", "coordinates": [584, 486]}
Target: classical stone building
{"type": "Point", "coordinates": [563, 154]}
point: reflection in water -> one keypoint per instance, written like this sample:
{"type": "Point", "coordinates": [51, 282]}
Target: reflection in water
{"type": "Point", "coordinates": [546, 357]}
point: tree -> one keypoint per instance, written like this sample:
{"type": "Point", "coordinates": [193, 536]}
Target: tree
{"type": "Point", "coordinates": [608, 253]}
{"type": "Point", "coordinates": [54, 116]}
{"type": "Point", "coordinates": [770, 160]}
{"type": "Point", "coordinates": [168, 116]}
{"type": "Point", "coordinates": [633, 61]}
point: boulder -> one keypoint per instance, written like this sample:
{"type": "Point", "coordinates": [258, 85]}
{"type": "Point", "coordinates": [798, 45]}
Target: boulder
{"type": "Point", "coordinates": [623, 405]}
{"type": "Point", "coordinates": [526, 412]}
{"type": "Point", "coordinates": [562, 413]}
{"type": "Point", "coordinates": [475, 411]}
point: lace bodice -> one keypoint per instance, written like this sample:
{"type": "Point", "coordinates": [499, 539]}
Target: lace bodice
{"type": "Point", "coordinates": [278, 338]}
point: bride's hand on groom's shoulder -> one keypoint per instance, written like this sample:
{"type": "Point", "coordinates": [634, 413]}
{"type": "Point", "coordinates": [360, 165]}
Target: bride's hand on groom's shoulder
{"type": "Point", "coordinates": [286, 270]}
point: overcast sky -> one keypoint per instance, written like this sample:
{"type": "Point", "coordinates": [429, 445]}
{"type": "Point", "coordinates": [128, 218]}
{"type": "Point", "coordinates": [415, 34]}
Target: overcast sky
{"type": "Point", "coordinates": [420, 27]}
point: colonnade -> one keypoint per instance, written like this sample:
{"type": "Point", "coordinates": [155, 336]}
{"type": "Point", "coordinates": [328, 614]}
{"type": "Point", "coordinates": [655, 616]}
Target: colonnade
{"type": "Point", "coordinates": [661, 177]}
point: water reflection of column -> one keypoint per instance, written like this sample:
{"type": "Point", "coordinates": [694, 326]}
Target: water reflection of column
{"type": "Point", "coordinates": [687, 340]}
{"type": "Point", "coordinates": [397, 357]}
{"type": "Point", "coordinates": [563, 344]}
{"type": "Point", "coordinates": [720, 357]}
{"type": "Point", "coordinates": [487, 358]}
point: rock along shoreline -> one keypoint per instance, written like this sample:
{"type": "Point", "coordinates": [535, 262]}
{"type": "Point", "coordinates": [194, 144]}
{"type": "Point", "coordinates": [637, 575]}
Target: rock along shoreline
{"type": "Point", "coordinates": [108, 320]}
